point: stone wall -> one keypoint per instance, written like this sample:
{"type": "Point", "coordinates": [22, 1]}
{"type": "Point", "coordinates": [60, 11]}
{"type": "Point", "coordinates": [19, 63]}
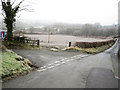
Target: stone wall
{"type": "Point", "coordinates": [92, 44]}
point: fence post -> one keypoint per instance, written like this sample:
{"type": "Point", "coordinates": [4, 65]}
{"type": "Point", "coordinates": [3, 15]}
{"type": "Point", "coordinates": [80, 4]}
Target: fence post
{"type": "Point", "coordinates": [69, 44]}
{"type": "Point", "coordinates": [38, 42]}
{"type": "Point", "coordinates": [27, 41]}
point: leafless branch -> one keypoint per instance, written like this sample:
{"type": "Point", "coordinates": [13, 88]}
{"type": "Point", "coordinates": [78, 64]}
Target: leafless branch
{"type": "Point", "coordinates": [3, 15]}
{"type": "Point", "coordinates": [25, 6]}
{"type": "Point", "coordinates": [14, 2]}
{"type": "Point", "coordinates": [25, 9]}
{"type": "Point", "coordinates": [21, 9]}
{"type": "Point", "coordinates": [21, 2]}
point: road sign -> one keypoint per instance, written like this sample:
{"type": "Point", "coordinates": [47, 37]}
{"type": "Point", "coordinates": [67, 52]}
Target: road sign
{"type": "Point", "coordinates": [2, 34]}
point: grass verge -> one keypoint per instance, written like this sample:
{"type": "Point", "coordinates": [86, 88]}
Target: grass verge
{"type": "Point", "coordinates": [13, 65]}
{"type": "Point", "coordinates": [89, 50]}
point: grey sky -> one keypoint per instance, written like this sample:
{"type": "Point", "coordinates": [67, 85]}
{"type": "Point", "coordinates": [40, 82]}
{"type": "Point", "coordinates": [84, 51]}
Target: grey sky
{"type": "Point", "coordinates": [72, 11]}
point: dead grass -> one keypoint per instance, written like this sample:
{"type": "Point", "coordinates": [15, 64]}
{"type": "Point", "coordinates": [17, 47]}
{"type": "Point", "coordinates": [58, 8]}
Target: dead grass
{"type": "Point", "coordinates": [89, 50]}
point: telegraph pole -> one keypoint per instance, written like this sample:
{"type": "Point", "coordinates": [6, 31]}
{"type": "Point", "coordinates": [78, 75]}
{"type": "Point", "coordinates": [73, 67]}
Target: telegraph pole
{"type": "Point", "coordinates": [48, 35]}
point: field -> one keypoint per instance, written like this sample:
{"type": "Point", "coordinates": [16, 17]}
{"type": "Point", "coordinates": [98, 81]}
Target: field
{"type": "Point", "coordinates": [62, 40]}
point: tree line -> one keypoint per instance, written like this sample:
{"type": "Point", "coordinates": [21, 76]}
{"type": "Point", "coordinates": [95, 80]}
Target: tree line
{"type": "Point", "coordinates": [89, 30]}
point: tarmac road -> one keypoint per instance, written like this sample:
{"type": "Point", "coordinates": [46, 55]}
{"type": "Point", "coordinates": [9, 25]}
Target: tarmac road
{"type": "Point", "coordinates": [43, 57]}
{"type": "Point", "coordinates": [72, 72]}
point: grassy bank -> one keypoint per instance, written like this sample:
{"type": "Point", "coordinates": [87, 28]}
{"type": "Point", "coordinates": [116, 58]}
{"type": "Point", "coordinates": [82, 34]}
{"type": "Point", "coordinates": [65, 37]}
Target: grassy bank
{"type": "Point", "coordinates": [89, 50]}
{"type": "Point", "coordinates": [13, 65]}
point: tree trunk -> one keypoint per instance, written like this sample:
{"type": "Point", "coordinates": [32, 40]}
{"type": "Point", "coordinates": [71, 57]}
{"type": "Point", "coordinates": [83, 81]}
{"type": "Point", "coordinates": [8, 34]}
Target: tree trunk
{"type": "Point", "coordinates": [10, 14]}
{"type": "Point", "coordinates": [10, 30]}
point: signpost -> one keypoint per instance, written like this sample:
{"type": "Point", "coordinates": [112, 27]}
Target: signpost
{"type": "Point", "coordinates": [2, 34]}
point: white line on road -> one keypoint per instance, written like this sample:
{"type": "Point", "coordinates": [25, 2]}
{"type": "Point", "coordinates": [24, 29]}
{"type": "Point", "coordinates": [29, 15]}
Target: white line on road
{"type": "Point", "coordinates": [72, 57]}
{"type": "Point", "coordinates": [41, 70]}
{"type": "Point", "coordinates": [43, 67]}
{"type": "Point", "coordinates": [62, 61]}
{"type": "Point", "coordinates": [57, 64]}
{"type": "Point", "coordinates": [57, 61]}
{"type": "Point", "coordinates": [50, 64]}
{"type": "Point", "coordinates": [50, 67]}
{"type": "Point", "coordinates": [68, 60]}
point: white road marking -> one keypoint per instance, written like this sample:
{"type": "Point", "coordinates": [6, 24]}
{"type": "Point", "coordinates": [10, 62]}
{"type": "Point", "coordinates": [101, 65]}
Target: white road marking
{"type": "Point", "coordinates": [41, 70]}
{"type": "Point", "coordinates": [83, 55]}
{"type": "Point", "coordinates": [71, 57]}
{"type": "Point", "coordinates": [50, 67]}
{"type": "Point", "coordinates": [43, 67]}
{"type": "Point", "coordinates": [57, 64]}
{"type": "Point", "coordinates": [57, 61]}
{"type": "Point", "coordinates": [62, 61]}
{"type": "Point", "coordinates": [67, 60]}
{"type": "Point", "coordinates": [50, 64]}
{"type": "Point", "coordinates": [74, 56]}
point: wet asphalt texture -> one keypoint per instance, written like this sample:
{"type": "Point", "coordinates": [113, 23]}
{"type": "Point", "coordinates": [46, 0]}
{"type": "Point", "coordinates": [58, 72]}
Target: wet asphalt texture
{"type": "Point", "coordinates": [72, 74]}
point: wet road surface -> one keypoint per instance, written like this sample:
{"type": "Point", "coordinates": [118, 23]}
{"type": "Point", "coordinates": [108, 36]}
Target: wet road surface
{"type": "Point", "coordinates": [72, 74]}
{"type": "Point", "coordinates": [44, 57]}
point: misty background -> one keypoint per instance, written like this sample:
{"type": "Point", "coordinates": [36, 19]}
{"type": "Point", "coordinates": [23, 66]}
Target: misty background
{"type": "Point", "coordinates": [68, 17]}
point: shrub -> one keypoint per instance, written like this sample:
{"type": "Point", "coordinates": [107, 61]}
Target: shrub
{"type": "Point", "coordinates": [18, 39]}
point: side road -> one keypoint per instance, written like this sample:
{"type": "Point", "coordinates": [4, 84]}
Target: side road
{"type": "Point", "coordinates": [72, 74]}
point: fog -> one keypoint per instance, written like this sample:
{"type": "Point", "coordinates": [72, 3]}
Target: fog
{"type": "Point", "coordinates": [69, 11]}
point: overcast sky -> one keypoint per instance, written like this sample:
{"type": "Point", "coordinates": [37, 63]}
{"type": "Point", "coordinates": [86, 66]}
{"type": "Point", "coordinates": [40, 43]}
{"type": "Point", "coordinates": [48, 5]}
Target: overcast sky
{"type": "Point", "coordinates": [72, 11]}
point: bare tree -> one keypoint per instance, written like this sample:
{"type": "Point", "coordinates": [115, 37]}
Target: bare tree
{"type": "Point", "coordinates": [9, 13]}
